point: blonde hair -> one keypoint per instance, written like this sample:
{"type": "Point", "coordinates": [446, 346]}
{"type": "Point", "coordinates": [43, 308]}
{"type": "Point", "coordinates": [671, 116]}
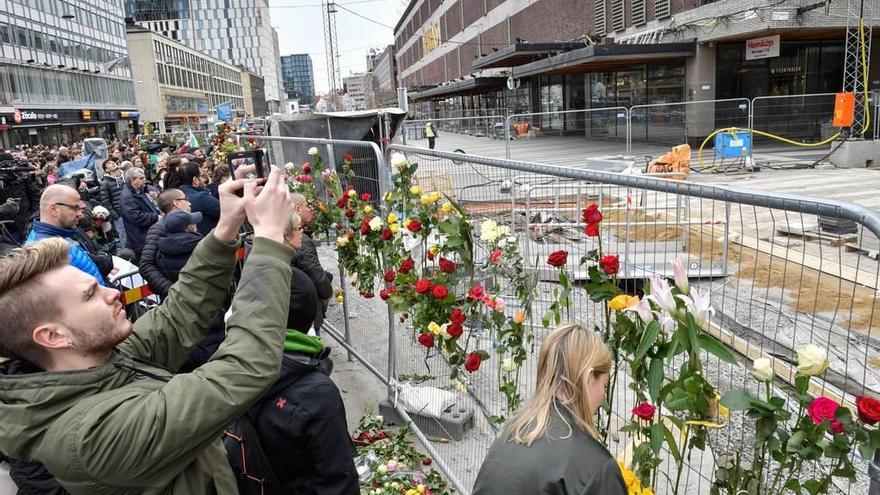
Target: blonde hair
{"type": "Point", "coordinates": [295, 223]}
{"type": "Point", "coordinates": [568, 356]}
{"type": "Point", "coordinates": [23, 305]}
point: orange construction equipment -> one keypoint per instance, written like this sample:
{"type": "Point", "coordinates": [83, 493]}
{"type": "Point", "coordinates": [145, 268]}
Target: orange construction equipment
{"type": "Point", "coordinates": [844, 110]}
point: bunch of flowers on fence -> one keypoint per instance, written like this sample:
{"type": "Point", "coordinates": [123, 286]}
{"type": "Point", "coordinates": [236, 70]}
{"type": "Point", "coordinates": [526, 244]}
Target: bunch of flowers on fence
{"type": "Point", "coordinates": [225, 143]}
{"type": "Point", "coordinates": [394, 465]}
{"type": "Point", "coordinates": [322, 187]}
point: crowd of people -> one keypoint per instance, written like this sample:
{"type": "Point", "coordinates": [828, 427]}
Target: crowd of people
{"type": "Point", "coordinates": [224, 385]}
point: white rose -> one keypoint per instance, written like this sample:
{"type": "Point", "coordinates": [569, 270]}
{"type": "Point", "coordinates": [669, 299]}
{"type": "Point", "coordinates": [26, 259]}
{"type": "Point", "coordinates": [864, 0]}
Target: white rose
{"type": "Point", "coordinates": [398, 161]}
{"type": "Point", "coordinates": [812, 360]}
{"type": "Point", "coordinates": [762, 370]}
{"type": "Point", "coordinates": [375, 224]}
{"type": "Point", "coordinates": [313, 151]}
{"type": "Point", "coordinates": [508, 365]}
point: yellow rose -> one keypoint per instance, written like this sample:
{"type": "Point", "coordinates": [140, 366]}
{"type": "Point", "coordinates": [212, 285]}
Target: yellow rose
{"type": "Point", "coordinates": [415, 190]}
{"type": "Point", "coordinates": [321, 206]}
{"type": "Point", "coordinates": [420, 488]}
{"type": "Point", "coordinates": [392, 218]}
{"type": "Point", "coordinates": [352, 193]}
{"type": "Point", "coordinates": [434, 328]}
{"type": "Point", "coordinates": [411, 492]}
{"type": "Point", "coordinates": [368, 209]}
{"type": "Point", "coordinates": [387, 196]}
{"type": "Point", "coordinates": [447, 207]}
{"type": "Point", "coordinates": [520, 316]}
{"type": "Point", "coordinates": [623, 301]}
{"type": "Point", "coordinates": [394, 227]}
{"type": "Point", "coordinates": [629, 477]}
{"type": "Point", "coordinates": [425, 200]}
{"type": "Point", "coordinates": [435, 196]}
{"type": "Point", "coordinates": [433, 250]}
{"type": "Point", "coordinates": [461, 387]}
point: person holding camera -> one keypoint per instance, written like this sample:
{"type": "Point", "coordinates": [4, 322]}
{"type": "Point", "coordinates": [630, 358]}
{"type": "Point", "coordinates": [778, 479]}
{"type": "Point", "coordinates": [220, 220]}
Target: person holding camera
{"type": "Point", "coordinates": [18, 183]}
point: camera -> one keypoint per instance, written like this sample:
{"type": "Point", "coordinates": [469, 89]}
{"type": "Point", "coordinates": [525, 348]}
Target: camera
{"type": "Point", "coordinates": [13, 170]}
{"type": "Point", "coordinates": [248, 165]}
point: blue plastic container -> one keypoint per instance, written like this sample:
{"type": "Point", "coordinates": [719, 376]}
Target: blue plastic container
{"type": "Point", "coordinates": [736, 145]}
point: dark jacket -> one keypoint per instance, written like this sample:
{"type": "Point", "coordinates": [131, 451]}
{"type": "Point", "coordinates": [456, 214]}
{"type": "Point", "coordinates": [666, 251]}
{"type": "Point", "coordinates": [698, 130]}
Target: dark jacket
{"type": "Point", "coordinates": [111, 194]}
{"type": "Point", "coordinates": [565, 461]}
{"type": "Point", "coordinates": [174, 251]}
{"type": "Point", "coordinates": [139, 214]}
{"type": "Point", "coordinates": [304, 303]}
{"type": "Point", "coordinates": [201, 201]}
{"type": "Point", "coordinates": [131, 426]}
{"type": "Point", "coordinates": [25, 189]}
{"type": "Point", "coordinates": [148, 264]}
{"type": "Point", "coordinates": [306, 259]}
{"type": "Point", "coordinates": [301, 423]}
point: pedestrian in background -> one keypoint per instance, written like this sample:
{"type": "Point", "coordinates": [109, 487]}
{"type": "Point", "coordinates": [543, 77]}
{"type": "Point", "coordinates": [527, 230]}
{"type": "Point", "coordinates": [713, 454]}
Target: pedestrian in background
{"type": "Point", "coordinates": [430, 133]}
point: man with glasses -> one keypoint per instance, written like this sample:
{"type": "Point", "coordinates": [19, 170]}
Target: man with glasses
{"type": "Point", "coordinates": [170, 200]}
{"type": "Point", "coordinates": [60, 212]}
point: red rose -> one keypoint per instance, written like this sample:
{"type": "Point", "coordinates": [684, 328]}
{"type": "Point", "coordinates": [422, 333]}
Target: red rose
{"type": "Point", "coordinates": [389, 275]}
{"type": "Point", "coordinates": [386, 234]}
{"type": "Point", "coordinates": [472, 363]}
{"type": "Point", "coordinates": [368, 295]}
{"type": "Point", "coordinates": [431, 255]}
{"type": "Point", "coordinates": [384, 295]}
{"type": "Point", "coordinates": [447, 266]}
{"type": "Point", "coordinates": [440, 291]}
{"type": "Point", "coordinates": [407, 265]}
{"type": "Point", "coordinates": [414, 226]}
{"type": "Point", "coordinates": [426, 461]}
{"type": "Point", "coordinates": [869, 409]}
{"type": "Point", "coordinates": [307, 168]}
{"type": "Point", "coordinates": [341, 202]}
{"type": "Point", "coordinates": [454, 330]}
{"type": "Point", "coordinates": [364, 229]}
{"type": "Point", "coordinates": [339, 226]}
{"type": "Point", "coordinates": [365, 196]}
{"type": "Point", "coordinates": [592, 230]}
{"type": "Point", "coordinates": [609, 264]}
{"type": "Point", "coordinates": [457, 316]}
{"type": "Point", "coordinates": [557, 258]}
{"type": "Point", "coordinates": [476, 293]}
{"type": "Point", "coordinates": [348, 157]}
{"type": "Point", "coordinates": [427, 340]}
{"type": "Point", "coordinates": [495, 256]}
{"type": "Point", "coordinates": [592, 215]}
{"type": "Point", "coordinates": [644, 411]}
{"type": "Point", "coordinates": [823, 408]}
{"type": "Point", "coordinates": [349, 213]}
{"type": "Point", "coordinates": [423, 286]}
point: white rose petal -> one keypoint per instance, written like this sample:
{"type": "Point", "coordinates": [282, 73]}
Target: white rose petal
{"type": "Point", "coordinates": [762, 370]}
{"type": "Point", "coordinates": [375, 224]}
{"type": "Point", "coordinates": [398, 160]}
{"type": "Point", "coordinates": [313, 151]}
{"type": "Point", "coordinates": [812, 360]}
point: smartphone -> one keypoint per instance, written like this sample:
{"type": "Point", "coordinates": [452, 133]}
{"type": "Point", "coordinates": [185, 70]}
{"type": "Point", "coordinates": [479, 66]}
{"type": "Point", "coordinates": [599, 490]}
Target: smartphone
{"type": "Point", "coordinates": [252, 164]}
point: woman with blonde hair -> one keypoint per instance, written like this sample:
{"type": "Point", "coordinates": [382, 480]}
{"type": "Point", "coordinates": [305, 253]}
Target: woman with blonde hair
{"type": "Point", "coordinates": [551, 445]}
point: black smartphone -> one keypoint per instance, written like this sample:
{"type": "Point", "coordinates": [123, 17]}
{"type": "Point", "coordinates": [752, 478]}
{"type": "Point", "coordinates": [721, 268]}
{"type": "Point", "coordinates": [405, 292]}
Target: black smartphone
{"type": "Point", "coordinates": [252, 164]}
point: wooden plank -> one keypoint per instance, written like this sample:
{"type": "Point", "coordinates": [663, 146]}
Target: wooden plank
{"type": "Point", "coordinates": [861, 277]}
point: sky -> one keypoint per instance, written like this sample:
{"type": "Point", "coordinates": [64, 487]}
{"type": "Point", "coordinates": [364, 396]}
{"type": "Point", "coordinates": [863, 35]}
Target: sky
{"type": "Point", "coordinates": [300, 30]}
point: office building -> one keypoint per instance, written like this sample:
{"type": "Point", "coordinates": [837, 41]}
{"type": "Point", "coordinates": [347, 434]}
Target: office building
{"type": "Point", "coordinates": [299, 78]}
{"type": "Point", "coordinates": [254, 92]}
{"type": "Point", "coordinates": [354, 88]}
{"type": "Point", "coordinates": [177, 87]}
{"type": "Point", "coordinates": [385, 78]}
{"type": "Point", "coordinates": [64, 72]}
{"type": "Point", "coordinates": [238, 32]}
{"type": "Point", "coordinates": [499, 55]}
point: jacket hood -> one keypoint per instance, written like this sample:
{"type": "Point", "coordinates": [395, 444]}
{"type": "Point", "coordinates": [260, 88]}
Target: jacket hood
{"type": "Point", "coordinates": [179, 243]}
{"type": "Point", "coordinates": [31, 400]}
{"type": "Point", "coordinates": [119, 181]}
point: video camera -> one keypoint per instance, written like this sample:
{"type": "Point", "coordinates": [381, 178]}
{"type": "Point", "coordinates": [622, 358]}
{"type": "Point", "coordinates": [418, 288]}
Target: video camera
{"type": "Point", "coordinates": [13, 170]}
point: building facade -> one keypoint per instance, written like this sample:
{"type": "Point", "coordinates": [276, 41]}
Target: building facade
{"type": "Point", "coordinates": [498, 55]}
{"type": "Point", "coordinates": [254, 92]}
{"type": "Point", "coordinates": [64, 72]}
{"type": "Point", "coordinates": [235, 31]}
{"type": "Point", "coordinates": [353, 85]}
{"type": "Point", "coordinates": [299, 77]}
{"type": "Point", "coordinates": [177, 87]}
{"type": "Point", "coordinates": [385, 78]}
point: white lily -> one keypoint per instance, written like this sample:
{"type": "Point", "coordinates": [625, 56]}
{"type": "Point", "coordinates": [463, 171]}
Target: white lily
{"type": "Point", "coordinates": [661, 294]}
{"type": "Point", "coordinates": [643, 309]}
{"type": "Point", "coordinates": [667, 323]}
{"type": "Point", "coordinates": [680, 275]}
{"type": "Point", "coordinates": [698, 305]}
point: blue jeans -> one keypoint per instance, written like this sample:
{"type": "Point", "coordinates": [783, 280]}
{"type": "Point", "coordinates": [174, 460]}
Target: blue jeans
{"type": "Point", "coordinates": [119, 224]}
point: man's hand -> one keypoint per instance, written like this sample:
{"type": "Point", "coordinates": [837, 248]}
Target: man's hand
{"type": "Point", "coordinates": [232, 212]}
{"type": "Point", "coordinates": [269, 210]}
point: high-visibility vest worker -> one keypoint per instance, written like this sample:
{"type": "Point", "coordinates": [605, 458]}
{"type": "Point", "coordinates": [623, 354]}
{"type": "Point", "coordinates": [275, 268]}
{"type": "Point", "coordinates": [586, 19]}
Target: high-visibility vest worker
{"type": "Point", "coordinates": [429, 130]}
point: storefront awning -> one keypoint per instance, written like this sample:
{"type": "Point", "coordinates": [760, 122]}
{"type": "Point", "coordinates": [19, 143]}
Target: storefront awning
{"type": "Point", "coordinates": [466, 86]}
{"type": "Point", "coordinates": [522, 53]}
{"type": "Point", "coordinates": [599, 57]}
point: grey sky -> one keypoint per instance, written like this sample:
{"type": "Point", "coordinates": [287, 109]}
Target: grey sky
{"type": "Point", "coordinates": [300, 29]}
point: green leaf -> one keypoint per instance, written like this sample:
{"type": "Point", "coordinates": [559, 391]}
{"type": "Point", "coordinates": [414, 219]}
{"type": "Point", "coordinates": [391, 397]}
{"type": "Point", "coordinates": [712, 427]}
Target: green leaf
{"type": "Point", "coordinates": [673, 445]}
{"type": "Point", "coordinates": [812, 487]}
{"type": "Point", "coordinates": [655, 378]}
{"type": "Point", "coordinates": [737, 400]}
{"type": "Point", "coordinates": [866, 451]}
{"type": "Point", "coordinates": [793, 485]}
{"type": "Point", "coordinates": [802, 383]}
{"type": "Point", "coordinates": [678, 400]}
{"type": "Point", "coordinates": [712, 345]}
{"type": "Point", "coordinates": [843, 415]}
{"type": "Point", "coordinates": [692, 334]}
{"type": "Point", "coordinates": [794, 443]}
{"type": "Point", "coordinates": [657, 434]}
{"type": "Point", "coordinates": [648, 338]}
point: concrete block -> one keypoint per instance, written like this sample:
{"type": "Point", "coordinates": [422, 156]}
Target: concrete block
{"type": "Point", "coordinates": [453, 421]}
{"type": "Point", "coordinates": [856, 154]}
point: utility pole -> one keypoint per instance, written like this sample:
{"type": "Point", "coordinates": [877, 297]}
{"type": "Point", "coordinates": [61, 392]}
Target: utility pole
{"type": "Point", "coordinates": [331, 47]}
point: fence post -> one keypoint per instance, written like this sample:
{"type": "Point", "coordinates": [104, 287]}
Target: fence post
{"type": "Point", "coordinates": [344, 306]}
{"type": "Point", "coordinates": [629, 131]}
{"type": "Point", "coordinates": [507, 138]}
{"type": "Point", "coordinates": [751, 131]}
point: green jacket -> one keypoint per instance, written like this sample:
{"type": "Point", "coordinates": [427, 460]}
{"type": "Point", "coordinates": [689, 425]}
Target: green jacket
{"type": "Point", "coordinates": [133, 427]}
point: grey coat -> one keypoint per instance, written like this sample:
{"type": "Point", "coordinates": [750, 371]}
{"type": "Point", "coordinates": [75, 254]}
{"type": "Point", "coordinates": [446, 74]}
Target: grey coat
{"type": "Point", "coordinates": [566, 461]}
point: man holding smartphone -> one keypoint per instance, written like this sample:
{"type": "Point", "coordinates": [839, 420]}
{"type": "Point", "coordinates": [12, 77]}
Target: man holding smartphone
{"type": "Point", "coordinates": [95, 399]}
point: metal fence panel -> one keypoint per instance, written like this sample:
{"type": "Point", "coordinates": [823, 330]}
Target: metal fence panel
{"type": "Point", "coordinates": [654, 128]}
{"type": "Point", "coordinates": [777, 280]}
{"type": "Point", "coordinates": [572, 133]}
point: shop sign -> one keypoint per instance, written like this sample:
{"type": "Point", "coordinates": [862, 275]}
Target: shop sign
{"type": "Point", "coordinates": [766, 47]}
{"type": "Point", "coordinates": [129, 115]}
{"type": "Point", "coordinates": [24, 115]}
{"type": "Point", "coordinates": [87, 115]}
